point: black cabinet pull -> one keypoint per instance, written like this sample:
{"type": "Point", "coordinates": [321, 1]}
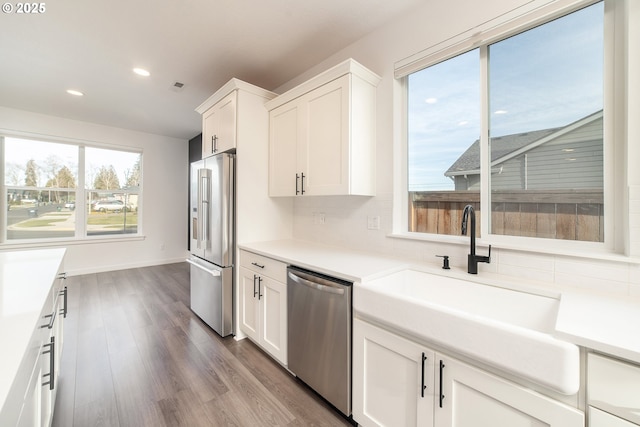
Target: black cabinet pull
{"type": "Point", "coordinates": [259, 287]}
{"type": "Point", "coordinates": [257, 265]}
{"type": "Point", "coordinates": [424, 387]}
{"type": "Point", "coordinates": [302, 184]}
{"type": "Point", "coordinates": [297, 178]}
{"type": "Point", "coordinates": [51, 351]}
{"type": "Point", "coordinates": [441, 373]}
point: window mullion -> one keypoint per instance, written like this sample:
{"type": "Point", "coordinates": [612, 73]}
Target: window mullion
{"type": "Point", "coordinates": [81, 197]}
{"type": "Point", "coordinates": [485, 166]}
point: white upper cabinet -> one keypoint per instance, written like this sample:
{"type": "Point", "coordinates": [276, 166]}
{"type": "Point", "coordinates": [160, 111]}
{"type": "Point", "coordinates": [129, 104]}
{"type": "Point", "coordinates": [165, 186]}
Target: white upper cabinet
{"type": "Point", "coordinates": [322, 135]}
{"type": "Point", "coordinates": [219, 126]}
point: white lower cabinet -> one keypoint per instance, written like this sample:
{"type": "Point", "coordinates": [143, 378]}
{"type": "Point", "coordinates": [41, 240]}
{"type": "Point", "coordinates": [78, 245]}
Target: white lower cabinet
{"type": "Point", "coordinates": [598, 418]}
{"type": "Point", "coordinates": [388, 376]}
{"type": "Point", "coordinates": [394, 385]}
{"type": "Point", "coordinates": [613, 392]}
{"type": "Point", "coordinates": [263, 303]}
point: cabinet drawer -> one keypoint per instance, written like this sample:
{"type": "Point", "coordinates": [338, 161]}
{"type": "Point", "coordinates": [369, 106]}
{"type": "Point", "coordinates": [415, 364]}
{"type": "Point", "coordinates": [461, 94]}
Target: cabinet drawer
{"type": "Point", "coordinates": [260, 264]}
{"type": "Point", "coordinates": [614, 386]}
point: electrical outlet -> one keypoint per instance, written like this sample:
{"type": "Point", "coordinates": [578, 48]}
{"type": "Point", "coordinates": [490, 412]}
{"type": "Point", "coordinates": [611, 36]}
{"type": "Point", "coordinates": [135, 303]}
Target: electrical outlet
{"type": "Point", "coordinates": [373, 222]}
{"type": "Point", "coordinates": [318, 218]}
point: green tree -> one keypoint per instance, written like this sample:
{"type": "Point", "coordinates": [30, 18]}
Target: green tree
{"type": "Point", "coordinates": [133, 176]}
{"type": "Point", "coordinates": [63, 179]}
{"type": "Point", "coordinates": [31, 174]}
{"type": "Point", "coordinates": [107, 179]}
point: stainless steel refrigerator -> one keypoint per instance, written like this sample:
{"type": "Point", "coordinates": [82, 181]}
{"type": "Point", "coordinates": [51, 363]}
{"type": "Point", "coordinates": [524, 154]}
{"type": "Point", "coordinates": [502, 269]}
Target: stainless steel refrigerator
{"type": "Point", "coordinates": [212, 231]}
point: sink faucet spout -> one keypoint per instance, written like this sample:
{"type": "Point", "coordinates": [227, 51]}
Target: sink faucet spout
{"type": "Point", "coordinates": [469, 215]}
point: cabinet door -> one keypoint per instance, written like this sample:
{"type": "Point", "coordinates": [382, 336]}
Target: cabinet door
{"type": "Point", "coordinates": [219, 126]}
{"type": "Point", "coordinates": [249, 304]}
{"type": "Point", "coordinates": [474, 398]}
{"type": "Point", "coordinates": [226, 126]}
{"type": "Point", "coordinates": [284, 133]}
{"type": "Point", "coordinates": [273, 304]}
{"type": "Point", "coordinates": [388, 377]}
{"type": "Point", "coordinates": [323, 155]}
{"type": "Point", "coordinates": [598, 418]}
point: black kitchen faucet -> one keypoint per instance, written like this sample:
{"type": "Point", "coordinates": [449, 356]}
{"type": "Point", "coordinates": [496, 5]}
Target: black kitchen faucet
{"type": "Point", "coordinates": [472, 258]}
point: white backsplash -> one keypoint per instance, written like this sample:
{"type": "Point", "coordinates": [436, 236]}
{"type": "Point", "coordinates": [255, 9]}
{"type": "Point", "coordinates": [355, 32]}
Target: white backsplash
{"type": "Point", "coordinates": [345, 224]}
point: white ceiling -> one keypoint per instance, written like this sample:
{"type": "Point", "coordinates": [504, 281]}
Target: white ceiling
{"type": "Point", "coordinates": [93, 45]}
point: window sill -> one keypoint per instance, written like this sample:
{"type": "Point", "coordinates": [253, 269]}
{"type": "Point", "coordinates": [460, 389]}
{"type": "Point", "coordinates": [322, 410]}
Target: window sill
{"type": "Point", "coordinates": [596, 254]}
{"type": "Point", "coordinates": [70, 242]}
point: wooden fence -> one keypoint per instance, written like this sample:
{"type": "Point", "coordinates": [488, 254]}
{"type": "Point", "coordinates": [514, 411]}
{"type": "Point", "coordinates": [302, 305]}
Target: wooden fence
{"type": "Point", "coordinates": [554, 214]}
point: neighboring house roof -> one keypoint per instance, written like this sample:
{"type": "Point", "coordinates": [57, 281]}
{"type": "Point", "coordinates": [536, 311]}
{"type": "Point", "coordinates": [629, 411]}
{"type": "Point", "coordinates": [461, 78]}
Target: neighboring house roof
{"type": "Point", "coordinates": [508, 146]}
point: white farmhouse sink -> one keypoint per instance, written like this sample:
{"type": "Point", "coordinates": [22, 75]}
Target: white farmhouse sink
{"type": "Point", "coordinates": [507, 329]}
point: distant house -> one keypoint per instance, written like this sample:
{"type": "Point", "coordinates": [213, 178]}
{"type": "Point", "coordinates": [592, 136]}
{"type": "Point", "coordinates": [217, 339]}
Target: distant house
{"type": "Point", "coordinates": [558, 158]}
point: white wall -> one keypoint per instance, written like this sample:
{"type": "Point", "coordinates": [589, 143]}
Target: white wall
{"type": "Point", "coordinates": [164, 198]}
{"type": "Point", "coordinates": [346, 217]}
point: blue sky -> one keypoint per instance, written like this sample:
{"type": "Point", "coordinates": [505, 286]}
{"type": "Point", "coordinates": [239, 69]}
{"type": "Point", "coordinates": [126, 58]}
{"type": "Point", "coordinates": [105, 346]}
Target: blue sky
{"type": "Point", "coordinates": [546, 77]}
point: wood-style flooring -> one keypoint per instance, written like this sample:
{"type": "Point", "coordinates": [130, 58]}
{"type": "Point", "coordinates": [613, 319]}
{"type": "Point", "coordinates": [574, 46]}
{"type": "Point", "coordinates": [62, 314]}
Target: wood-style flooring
{"type": "Point", "coordinates": [135, 355]}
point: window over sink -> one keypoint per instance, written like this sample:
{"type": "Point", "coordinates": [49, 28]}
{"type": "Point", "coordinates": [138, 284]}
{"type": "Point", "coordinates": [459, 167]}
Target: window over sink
{"type": "Point", "coordinates": [515, 127]}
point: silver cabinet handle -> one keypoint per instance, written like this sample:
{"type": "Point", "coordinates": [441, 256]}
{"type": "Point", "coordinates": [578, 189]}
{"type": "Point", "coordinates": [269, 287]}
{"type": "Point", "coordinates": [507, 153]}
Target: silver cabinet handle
{"type": "Point", "coordinates": [51, 351]}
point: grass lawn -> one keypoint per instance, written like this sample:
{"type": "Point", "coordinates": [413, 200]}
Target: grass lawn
{"type": "Point", "coordinates": [112, 219]}
{"type": "Point", "coordinates": [40, 222]}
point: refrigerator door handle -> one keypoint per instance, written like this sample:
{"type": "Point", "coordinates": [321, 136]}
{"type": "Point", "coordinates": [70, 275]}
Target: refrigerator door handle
{"type": "Point", "coordinates": [204, 191]}
{"type": "Point", "coordinates": [211, 272]}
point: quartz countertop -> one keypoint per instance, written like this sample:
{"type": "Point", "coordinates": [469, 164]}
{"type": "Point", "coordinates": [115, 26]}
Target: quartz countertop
{"type": "Point", "coordinates": [26, 278]}
{"type": "Point", "coordinates": [347, 264]}
{"type": "Point", "coordinates": [603, 323]}
{"type": "Point", "coordinates": [607, 324]}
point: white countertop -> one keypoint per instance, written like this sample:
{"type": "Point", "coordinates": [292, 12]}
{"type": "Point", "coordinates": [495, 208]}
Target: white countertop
{"type": "Point", "coordinates": [347, 264]}
{"type": "Point", "coordinates": [26, 278]}
{"type": "Point", "coordinates": [600, 322]}
{"type": "Point", "coordinates": [606, 324]}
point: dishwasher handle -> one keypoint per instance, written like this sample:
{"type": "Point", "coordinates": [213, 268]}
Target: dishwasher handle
{"type": "Point", "coordinates": [329, 288]}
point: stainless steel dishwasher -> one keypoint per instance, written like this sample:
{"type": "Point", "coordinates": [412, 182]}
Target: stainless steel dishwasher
{"type": "Point", "coordinates": [319, 334]}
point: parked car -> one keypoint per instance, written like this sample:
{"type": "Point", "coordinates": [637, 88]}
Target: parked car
{"type": "Point", "coordinates": [109, 206]}
{"type": "Point", "coordinates": [70, 205]}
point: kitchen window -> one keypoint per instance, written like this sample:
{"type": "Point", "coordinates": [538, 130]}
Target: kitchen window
{"type": "Point", "coordinates": [58, 190]}
{"type": "Point", "coordinates": [513, 127]}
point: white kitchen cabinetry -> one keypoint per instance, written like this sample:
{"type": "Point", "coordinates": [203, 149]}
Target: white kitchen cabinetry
{"type": "Point", "coordinates": [263, 303]}
{"type": "Point", "coordinates": [388, 373]}
{"type": "Point", "coordinates": [613, 392]}
{"type": "Point", "coordinates": [219, 126]}
{"type": "Point", "coordinates": [474, 398]}
{"type": "Point", "coordinates": [322, 135]}
{"type": "Point", "coordinates": [33, 346]}
{"type": "Point", "coordinates": [393, 379]}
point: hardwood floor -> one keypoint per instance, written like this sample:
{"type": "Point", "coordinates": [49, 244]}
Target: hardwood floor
{"type": "Point", "coordinates": [135, 355]}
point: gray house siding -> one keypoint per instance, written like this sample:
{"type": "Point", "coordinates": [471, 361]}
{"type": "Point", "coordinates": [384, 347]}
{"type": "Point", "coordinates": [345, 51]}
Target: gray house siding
{"type": "Point", "coordinates": [573, 160]}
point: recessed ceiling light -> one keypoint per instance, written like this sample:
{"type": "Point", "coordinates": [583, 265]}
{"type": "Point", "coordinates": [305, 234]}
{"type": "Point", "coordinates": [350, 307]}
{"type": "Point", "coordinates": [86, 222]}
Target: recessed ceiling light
{"type": "Point", "coordinates": [141, 72]}
{"type": "Point", "coordinates": [501, 112]}
{"type": "Point", "coordinates": [74, 92]}
{"type": "Point", "coordinates": [431, 100]}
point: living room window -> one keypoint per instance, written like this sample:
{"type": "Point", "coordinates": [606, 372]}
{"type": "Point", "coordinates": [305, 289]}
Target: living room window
{"type": "Point", "coordinates": [513, 127]}
{"type": "Point", "coordinates": [58, 190]}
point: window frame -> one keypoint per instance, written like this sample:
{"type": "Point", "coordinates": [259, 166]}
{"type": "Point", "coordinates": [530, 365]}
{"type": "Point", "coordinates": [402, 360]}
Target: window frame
{"type": "Point", "coordinates": [80, 232]}
{"type": "Point", "coordinates": [517, 21]}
